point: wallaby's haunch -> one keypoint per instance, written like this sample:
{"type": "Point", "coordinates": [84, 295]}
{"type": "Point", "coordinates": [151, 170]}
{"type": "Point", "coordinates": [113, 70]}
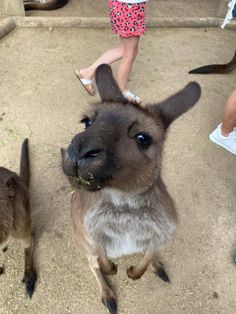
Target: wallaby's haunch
{"type": "Point", "coordinates": [15, 219]}
{"type": "Point", "coordinates": [121, 205]}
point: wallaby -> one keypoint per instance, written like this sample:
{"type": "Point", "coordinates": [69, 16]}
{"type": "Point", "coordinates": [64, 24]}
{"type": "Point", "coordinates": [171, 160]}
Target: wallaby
{"type": "Point", "coordinates": [44, 4]}
{"type": "Point", "coordinates": [216, 68]}
{"type": "Point", "coordinates": [15, 218]}
{"type": "Point", "coordinates": [121, 205]}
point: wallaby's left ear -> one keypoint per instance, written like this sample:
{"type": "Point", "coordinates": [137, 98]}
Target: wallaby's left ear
{"type": "Point", "coordinates": [176, 105]}
{"type": "Point", "coordinates": [107, 86]}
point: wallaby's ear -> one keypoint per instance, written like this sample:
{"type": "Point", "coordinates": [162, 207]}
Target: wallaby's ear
{"type": "Point", "coordinates": [174, 106]}
{"type": "Point", "coordinates": [107, 86]}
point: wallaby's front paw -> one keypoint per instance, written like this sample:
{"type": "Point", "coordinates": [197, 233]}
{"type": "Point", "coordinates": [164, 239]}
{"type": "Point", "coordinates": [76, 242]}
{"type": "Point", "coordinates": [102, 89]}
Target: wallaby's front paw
{"type": "Point", "coordinates": [132, 274]}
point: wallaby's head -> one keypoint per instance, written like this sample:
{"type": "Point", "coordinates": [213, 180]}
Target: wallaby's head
{"type": "Point", "coordinates": [122, 143]}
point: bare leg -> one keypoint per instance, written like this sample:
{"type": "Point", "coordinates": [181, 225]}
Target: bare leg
{"type": "Point", "coordinates": [135, 272]}
{"type": "Point", "coordinates": [130, 50]}
{"type": "Point", "coordinates": [30, 276]}
{"type": "Point", "coordinates": [229, 118]}
{"type": "Point", "coordinates": [108, 296]}
{"type": "Point", "coordinates": [108, 57]}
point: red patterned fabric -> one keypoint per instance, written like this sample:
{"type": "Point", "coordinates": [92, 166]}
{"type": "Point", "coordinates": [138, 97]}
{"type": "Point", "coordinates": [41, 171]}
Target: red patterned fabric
{"type": "Point", "coordinates": [127, 19]}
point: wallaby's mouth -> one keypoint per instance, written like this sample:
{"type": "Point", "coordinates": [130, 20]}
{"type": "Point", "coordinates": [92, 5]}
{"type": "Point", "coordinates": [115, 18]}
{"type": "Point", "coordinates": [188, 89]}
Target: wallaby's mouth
{"type": "Point", "coordinates": [77, 169]}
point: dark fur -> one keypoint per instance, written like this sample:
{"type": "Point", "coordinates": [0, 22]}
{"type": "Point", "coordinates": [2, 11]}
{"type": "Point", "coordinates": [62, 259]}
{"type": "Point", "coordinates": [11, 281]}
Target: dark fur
{"type": "Point", "coordinates": [121, 205]}
{"type": "Point", "coordinates": [216, 68]}
{"type": "Point", "coordinates": [47, 6]}
{"type": "Point", "coordinates": [15, 218]}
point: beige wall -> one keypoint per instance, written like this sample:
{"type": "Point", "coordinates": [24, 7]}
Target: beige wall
{"type": "Point", "coordinates": [11, 7]}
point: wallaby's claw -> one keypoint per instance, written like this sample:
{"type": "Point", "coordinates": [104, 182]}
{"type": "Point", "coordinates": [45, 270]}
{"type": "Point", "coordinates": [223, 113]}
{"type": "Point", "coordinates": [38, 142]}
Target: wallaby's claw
{"type": "Point", "coordinates": [5, 249]}
{"type": "Point", "coordinates": [160, 272]}
{"type": "Point", "coordinates": [30, 281]}
{"type": "Point", "coordinates": [111, 305]}
{"type": "Point", "coordinates": [2, 270]}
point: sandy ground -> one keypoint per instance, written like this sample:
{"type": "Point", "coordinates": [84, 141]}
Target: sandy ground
{"type": "Point", "coordinates": [40, 98]}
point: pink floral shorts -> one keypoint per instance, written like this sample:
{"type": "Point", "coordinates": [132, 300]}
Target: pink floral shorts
{"type": "Point", "coordinates": [127, 19]}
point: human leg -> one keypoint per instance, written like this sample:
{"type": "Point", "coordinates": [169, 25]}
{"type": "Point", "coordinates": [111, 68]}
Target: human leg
{"type": "Point", "coordinates": [225, 133]}
{"type": "Point", "coordinates": [229, 117]}
{"type": "Point", "coordinates": [130, 51]}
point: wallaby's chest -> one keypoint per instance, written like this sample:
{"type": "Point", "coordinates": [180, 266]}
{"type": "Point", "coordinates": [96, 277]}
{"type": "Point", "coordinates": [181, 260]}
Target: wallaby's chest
{"type": "Point", "coordinates": [124, 230]}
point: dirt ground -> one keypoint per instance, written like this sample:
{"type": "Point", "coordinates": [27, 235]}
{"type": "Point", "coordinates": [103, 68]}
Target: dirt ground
{"type": "Point", "coordinates": [40, 98]}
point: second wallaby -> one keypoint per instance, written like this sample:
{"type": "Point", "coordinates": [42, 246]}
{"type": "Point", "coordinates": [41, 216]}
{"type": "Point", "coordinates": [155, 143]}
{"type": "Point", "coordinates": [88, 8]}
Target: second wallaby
{"type": "Point", "coordinates": [15, 216]}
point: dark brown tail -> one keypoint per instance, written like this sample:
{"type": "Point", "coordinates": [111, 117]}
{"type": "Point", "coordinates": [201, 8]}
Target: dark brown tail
{"type": "Point", "coordinates": [216, 68]}
{"type": "Point", "coordinates": [24, 163]}
{"type": "Point", "coordinates": [47, 6]}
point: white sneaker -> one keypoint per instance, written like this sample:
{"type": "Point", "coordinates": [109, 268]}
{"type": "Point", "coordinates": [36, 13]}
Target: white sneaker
{"type": "Point", "coordinates": [227, 142]}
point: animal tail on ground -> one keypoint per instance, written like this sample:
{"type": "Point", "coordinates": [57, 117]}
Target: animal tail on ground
{"type": "Point", "coordinates": [43, 5]}
{"type": "Point", "coordinates": [24, 163]}
{"type": "Point", "coordinates": [216, 68]}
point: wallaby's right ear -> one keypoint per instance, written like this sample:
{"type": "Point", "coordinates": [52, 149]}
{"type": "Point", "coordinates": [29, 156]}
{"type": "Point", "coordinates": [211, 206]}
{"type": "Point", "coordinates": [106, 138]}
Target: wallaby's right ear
{"type": "Point", "coordinates": [176, 105]}
{"type": "Point", "coordinates": [107, 86]}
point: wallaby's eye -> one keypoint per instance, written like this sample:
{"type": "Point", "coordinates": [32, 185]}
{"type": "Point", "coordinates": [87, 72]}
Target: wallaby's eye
{"type": "Point", "coordinates": [143, 140]}
{"type": "Point", "coordinates": [87, 122]}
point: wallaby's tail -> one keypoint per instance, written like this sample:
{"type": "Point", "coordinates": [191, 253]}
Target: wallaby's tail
{"type": "Point", "coordinates": [24, 163]}
{"type": "Point", "coordinates": [216, 68]}
{"type": "Point", "coordinates": [50, 5]}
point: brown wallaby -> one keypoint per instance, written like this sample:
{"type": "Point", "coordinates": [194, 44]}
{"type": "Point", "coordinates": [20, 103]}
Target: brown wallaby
{"type": "Point", "coordinates": [121, 205]}
{"type": "Point", "coordinates": [15, 219]}
{"type": "Point", "coordinates": [216, 68]}
{"type": "Point", "coordinates": [44, 4]}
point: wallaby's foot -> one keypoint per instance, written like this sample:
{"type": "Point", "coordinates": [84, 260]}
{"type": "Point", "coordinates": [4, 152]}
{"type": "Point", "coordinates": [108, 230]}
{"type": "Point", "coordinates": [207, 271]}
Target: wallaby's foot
{"type": "Point", "coordinates": [110, 304]}
{"type": "Point", "coordinates": [160, 272]}
{"type": "Point", "coordinates": [30, 279]}
{"type": "Point", "coordinates": [108, 269]}
{"type": "Point", "coordinates": [2, 270]}
{"type": "Point", "coordinates": [5, 249]}
{"type": "Point", "coordinates": [134, 274]}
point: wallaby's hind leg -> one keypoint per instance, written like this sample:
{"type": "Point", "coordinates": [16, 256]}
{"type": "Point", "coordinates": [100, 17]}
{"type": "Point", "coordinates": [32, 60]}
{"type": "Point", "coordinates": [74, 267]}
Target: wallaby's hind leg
{"type": "Point", "coordinates": [135, 272]}
{"type": "Point", "coordinates": [30, 275]}
{"type": "Point", "coordinates": [159, 269]}
{"type": "Point", "coordinates": [108, 296]}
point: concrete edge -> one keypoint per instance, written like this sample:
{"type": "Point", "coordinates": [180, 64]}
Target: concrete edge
{"type": "Point", "coordinates": [103, 22]}
{"type": "Point", "coordinates": [6, 26]}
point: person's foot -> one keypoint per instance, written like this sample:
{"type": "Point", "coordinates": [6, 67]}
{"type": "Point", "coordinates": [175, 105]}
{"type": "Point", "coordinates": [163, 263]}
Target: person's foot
{"type": "Point", "coordinates": [227, 142]}
{"type": "Point", "coordinates": [85, 81]}
{"type": "Point", "coordinates": [131, 97]}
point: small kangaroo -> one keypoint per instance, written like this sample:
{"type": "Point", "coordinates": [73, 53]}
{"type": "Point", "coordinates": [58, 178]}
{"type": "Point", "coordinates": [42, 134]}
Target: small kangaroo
{"type": "Point", "coordinates": [44, 4]}
{"type": "Point", "coordinates": [15, 219]}
{"type": "Point", "coordinates": [216, 68]}
{"type": "Point", "coordinates": [121, 205]}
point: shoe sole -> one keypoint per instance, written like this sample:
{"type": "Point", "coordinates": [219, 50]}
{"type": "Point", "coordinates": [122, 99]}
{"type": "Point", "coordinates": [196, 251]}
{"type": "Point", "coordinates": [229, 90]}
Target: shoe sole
{"type": "Point", "coordinates": [214, 140]}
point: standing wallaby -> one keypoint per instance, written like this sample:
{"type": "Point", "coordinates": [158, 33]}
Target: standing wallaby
{"type": "Point", "coordinates": [121, 205]}
{"type": "Point", "coordinates": [44, 4]}
{"type": "Point", "coordinates": [15, 219]}
{"type": "Point", "coordinates": [216, 68]}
